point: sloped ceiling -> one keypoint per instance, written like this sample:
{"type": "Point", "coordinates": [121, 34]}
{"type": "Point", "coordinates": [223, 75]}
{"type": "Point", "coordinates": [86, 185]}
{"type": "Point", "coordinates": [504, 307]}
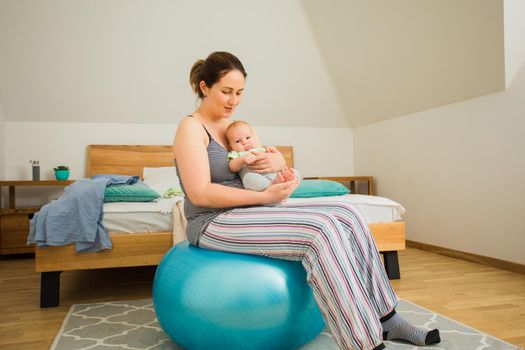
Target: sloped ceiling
{"type": "Point", "coordinates": [331, 63]}
{"type": "Point", "coordinates": [391, 58]}
{"type": "Point", "coordinates": [128, 61]}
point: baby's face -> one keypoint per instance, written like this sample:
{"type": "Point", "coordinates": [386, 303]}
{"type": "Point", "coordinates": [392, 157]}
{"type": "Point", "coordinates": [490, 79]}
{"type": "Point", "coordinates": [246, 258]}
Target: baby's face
{"type": "Point", "coordinates": [241, 138]}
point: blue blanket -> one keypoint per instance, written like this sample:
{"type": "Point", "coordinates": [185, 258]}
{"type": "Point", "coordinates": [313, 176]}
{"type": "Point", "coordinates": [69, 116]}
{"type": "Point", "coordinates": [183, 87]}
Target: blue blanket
{"type": "Point", "coordinates": [114, 179]}
{"type": "Point", "coordinates": [75, 217]}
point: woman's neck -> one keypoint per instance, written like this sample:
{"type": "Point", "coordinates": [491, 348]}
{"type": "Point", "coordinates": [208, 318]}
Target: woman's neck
{"type": "Point", "coordinates": [206, 113]}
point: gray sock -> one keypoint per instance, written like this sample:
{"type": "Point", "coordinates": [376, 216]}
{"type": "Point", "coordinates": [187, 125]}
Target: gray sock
{"type": "Point", "coordinates": [396, 327]}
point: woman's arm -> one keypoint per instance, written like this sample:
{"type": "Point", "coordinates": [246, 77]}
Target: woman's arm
{"type": "Point", "coordinates": [236, 163]}
{"type": "Point", "coordinates": [192, 161]}
{"type": "Point", "coordinates": [268, 162]}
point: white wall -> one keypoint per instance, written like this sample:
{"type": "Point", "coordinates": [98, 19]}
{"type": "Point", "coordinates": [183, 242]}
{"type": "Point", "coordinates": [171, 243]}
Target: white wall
{"type": "Point", "coordinates": [459, 170]}
{"type": "Point", "coordinates": [514, 12]}
{"type": "Point", "coordinates": [128, 61]}
{"type": "Point", "coordinates": [2, 144]}
{"type": "Point", "coordinates": [3, 194]}
{"type": "Point", "coordinates": [318, 151]}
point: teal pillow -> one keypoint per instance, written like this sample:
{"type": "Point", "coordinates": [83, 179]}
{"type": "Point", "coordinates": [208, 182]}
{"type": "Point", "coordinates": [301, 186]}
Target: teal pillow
{"type": "Point", "coordinates": [130, 193]}
{"type": "Point", "coordinates": [319, 188]}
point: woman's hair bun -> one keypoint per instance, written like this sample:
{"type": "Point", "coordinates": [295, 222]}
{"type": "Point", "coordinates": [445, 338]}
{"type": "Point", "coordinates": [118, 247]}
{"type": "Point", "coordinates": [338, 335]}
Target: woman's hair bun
{"type": "Point", "coordinates": [211, 70]}
{"type": "Point", "coordinates": [195, 76]}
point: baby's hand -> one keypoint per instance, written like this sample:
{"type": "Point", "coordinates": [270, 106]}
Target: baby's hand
{"type": "Point", "coordinates": [271, 149]}
{"type": "Point", "coordinates": [250, 158]}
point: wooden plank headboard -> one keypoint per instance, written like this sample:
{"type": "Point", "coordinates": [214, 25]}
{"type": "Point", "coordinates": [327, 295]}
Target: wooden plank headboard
{"type": "Point", "coordinates": [131, 159]}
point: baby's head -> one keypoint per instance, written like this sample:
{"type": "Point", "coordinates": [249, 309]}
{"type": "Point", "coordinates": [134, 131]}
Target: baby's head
{"type": "Point", "coordinates": [241, 137]}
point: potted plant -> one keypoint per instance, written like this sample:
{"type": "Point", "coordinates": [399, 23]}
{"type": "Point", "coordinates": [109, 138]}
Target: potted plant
{"type": "Point", "coordinates": [61, 172]}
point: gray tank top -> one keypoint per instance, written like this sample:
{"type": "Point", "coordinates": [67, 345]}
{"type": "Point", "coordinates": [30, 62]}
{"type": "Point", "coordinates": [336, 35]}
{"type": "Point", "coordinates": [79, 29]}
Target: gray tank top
{"type": "Point", "coordinates": [199, 217]}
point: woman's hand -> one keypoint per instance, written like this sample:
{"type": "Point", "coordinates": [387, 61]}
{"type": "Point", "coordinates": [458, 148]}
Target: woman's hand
{"type": "Point", "coordinates": [277, 193]}
{"type": "Point", "coordinates": [268, 162]}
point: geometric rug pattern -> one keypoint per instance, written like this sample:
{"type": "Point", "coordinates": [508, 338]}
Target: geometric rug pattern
{"type": "Point", "coordinates": [132, 325]}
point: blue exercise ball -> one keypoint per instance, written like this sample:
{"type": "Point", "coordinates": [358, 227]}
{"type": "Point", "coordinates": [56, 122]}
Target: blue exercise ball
{"type": "Point", "coordinates": [209, 300]}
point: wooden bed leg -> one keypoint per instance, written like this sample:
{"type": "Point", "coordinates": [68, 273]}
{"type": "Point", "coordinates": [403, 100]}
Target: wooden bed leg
{"type": "Point", "coordinates": [49, 289]}
{"type": "Point", "coordinates": [391, 265]}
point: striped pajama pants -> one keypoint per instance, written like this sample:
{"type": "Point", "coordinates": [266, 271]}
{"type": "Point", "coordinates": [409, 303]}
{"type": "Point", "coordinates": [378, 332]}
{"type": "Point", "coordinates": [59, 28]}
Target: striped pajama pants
{"type": "Point", "coordinates": [334, 244]}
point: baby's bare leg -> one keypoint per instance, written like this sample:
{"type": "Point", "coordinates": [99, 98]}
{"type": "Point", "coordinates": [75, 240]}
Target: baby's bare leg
{"type": "Point", "coordinates": [279, 178]}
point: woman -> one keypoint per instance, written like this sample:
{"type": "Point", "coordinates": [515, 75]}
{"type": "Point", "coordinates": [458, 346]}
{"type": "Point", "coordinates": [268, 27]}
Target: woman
{"type": "Point", "coordinates": [331, 239]}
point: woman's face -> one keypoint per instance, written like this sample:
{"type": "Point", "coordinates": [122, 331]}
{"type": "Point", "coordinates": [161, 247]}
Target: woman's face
{"type": "Point", "coordinates": [224, 96]}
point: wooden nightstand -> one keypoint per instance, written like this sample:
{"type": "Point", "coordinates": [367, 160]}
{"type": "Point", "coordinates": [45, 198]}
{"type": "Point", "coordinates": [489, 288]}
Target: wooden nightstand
{"type": "Point", "coordinates": [14, 221]}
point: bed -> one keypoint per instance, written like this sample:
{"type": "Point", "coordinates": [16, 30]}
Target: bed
{"type": "Point", "coordinates": [142, 249]}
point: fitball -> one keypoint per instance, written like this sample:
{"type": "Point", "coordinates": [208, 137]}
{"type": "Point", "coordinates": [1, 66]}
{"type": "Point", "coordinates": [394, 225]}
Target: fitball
{"type": "Point", "coordinates": [207, 299]}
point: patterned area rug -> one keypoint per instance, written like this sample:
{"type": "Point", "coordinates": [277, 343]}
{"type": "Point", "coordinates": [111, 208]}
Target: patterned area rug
{"type": "Point", "coordinates": [132, 325]}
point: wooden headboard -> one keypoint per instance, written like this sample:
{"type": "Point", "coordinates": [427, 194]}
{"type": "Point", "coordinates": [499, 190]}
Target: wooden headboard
{"type": "Point", "coordinates": [131, 159]}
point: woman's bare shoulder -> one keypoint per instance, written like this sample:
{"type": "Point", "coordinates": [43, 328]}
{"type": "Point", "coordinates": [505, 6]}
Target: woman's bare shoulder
{"type": "Point", "coordinates": [189, 130]}
{"type": "Point", "coordinates": [189, 122]}
{"type": "Point", "coordinates": [191, 125]}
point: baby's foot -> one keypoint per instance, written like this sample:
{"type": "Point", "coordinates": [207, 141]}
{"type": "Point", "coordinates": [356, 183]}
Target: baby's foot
{"type": "Point", "coordinates": [279, 178]}
{"type": "Point", "coordinates": [288, 175]}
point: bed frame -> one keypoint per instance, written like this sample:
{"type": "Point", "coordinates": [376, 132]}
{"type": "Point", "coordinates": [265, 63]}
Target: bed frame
{"type": "Point", "coordinates": [143, 249]}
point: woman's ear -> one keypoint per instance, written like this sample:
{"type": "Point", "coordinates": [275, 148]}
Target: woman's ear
{"type": "Point", "coordinates": [204, 88]}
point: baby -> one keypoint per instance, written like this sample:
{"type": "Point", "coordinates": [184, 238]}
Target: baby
{"type": "Point", "coordinates": [242, 143]}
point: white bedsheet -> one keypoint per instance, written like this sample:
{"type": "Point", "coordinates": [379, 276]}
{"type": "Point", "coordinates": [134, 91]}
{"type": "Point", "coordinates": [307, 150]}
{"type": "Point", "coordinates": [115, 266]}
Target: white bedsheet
{"type": "Point", "coordinates": [135, 217]}
{"type": "Point", "coordinates": [375, 209]}
{"type": "Point", "coordinates": [129, 217]}
{"type": "Point", "coordinates": [125, 217]}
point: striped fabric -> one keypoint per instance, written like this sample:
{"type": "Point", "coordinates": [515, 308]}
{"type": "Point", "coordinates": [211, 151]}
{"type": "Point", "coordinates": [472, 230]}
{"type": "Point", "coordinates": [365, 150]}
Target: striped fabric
{"type": "Point", "coordinates": [199, 217]}
{"type": "Point", "coordinates": [333, 242]}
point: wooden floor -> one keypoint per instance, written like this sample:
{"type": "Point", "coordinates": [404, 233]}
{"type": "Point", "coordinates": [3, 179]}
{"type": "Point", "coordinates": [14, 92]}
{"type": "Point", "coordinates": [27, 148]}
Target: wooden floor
{"type": "Point", "coordinates": [485, 298]}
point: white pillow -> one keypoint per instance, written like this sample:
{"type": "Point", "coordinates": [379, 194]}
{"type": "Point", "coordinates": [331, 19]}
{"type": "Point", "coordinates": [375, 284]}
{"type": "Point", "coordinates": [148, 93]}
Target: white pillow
{"type": "Point", "coordinates": [161, 179]}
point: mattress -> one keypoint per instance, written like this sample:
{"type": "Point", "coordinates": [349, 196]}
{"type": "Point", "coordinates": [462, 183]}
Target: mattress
{"type": "Point", "coordinates": [375, 209]}
{"type": "Point", "coordinates": [146, 217]}
{"type": "Point", "coordinates": [136, 217]}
